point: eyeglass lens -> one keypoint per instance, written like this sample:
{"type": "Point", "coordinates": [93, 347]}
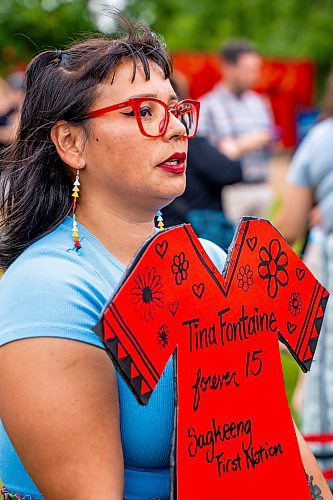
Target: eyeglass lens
{"type": "Point", "coordinates": [153, 117]}
{"type": "Point", "coordinates": [187, 114]}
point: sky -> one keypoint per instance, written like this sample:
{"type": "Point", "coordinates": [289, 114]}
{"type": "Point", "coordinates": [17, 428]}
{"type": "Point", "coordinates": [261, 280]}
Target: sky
{"type": "Point", "coordinates": [100, 8]}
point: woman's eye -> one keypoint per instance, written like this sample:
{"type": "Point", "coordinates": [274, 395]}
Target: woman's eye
{"type": "Point", "coordinates": [145, 112]}
{"type": "Point", "coordinates": [130, 113]}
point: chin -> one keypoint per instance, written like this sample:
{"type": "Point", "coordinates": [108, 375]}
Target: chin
{"type": "Point", "coordinates": [178, 191]}
{"type": "Point", "coordinates": [169, 200]}
{"type": "Point", "coordinates": [173, 190]}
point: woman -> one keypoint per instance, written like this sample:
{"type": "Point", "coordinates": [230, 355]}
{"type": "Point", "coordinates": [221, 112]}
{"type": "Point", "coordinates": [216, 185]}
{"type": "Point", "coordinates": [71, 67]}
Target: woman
{"type": "Point", "coordinates": [310, 182]}
{"type": "Point", "coordinates": [88, 127]}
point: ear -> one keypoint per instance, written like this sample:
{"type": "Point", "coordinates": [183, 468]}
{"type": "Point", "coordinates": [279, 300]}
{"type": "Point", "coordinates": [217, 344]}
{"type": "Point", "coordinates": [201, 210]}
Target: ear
{"type": "Point", "coordinates": [69, 141]}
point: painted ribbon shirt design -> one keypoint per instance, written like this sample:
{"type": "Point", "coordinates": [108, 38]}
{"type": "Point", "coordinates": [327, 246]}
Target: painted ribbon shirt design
{"type": "Point", "coordinates": [273, 267]}
{"type": "Point", "coordinates": [233, 428]}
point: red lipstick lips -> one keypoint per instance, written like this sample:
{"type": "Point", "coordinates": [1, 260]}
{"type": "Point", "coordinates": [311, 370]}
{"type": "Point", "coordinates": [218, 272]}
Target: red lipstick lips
{"type": "Point", "coordinates": [175, 164]}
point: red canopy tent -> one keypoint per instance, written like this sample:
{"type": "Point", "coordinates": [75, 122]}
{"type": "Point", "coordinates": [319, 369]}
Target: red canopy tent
{"type": "Point", "coordinates": [289, 84]}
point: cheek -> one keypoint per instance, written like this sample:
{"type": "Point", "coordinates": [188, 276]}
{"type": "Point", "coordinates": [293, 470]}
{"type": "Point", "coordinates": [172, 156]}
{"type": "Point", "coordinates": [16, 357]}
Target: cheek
{"type": "Point", "coordinates": [130, 156]}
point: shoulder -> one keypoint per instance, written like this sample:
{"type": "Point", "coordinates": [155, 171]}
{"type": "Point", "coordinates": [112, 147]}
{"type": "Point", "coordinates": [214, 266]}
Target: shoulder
{"type": "Point", "coordinates": [322, 132]}
{"type": "Point", "coordinates": [46, 265]}
{"type": "Point", "coordinates": [252, 94]}
{"type": "Point", "coordinates": [316, 144]}
{"type": "Point", "coordinates": [53, 260]}
{"type": "Point", "coordinates": [312, 160]}
{"type": "Point", "coordinates": [49, 291]}
{"type": "Point", "coordinates": [256, 99]}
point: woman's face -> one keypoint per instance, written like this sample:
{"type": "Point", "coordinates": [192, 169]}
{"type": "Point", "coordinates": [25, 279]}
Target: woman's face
{"type": "Point", "coordinates": [123, 167]}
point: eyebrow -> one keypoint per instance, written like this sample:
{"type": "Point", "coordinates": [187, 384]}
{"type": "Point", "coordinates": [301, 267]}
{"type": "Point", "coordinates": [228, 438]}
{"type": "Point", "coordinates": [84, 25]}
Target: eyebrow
{"type": "Point", "coordinates": [173, 97]}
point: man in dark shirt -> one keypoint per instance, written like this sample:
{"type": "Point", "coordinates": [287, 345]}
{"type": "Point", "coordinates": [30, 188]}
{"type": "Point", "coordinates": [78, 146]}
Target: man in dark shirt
{"type": "Point", "coordinates": [208, 171]}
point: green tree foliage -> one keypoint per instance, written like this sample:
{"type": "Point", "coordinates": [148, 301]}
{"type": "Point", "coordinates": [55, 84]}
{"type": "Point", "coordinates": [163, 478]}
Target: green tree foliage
{"type": "Point", "coordinates": [28, 26]}
{"type": "Point", "coordinates": [287, 28]}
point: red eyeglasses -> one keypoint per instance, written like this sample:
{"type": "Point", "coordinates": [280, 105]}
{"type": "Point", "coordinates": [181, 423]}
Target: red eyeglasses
{"type": "Point", "coordinates": [153, 115]}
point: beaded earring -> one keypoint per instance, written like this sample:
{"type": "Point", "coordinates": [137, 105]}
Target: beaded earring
{"type": "Point", "coordinates": [160, 223]}
{"type": "Point", "coordinates": [75, 231]}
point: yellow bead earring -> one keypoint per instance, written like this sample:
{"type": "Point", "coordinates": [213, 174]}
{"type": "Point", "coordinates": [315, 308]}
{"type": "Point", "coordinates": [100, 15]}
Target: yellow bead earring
{"type": "Point", "coordinates": [160, 223]}
{"type": "Point", "coordinates": [75, 230]}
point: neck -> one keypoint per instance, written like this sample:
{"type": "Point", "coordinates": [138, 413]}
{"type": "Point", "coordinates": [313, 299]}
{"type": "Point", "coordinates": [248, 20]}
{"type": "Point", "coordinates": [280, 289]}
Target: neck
{"type": "Point", "coordinates": [121, 233]}
{"type": "Point", "coordinates": [233, 88]}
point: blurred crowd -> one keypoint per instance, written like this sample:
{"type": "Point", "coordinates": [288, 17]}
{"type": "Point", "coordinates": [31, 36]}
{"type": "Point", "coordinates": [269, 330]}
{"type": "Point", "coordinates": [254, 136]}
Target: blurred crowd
{"type": "Point", "coordinates": [236, 167]}
{"type": "Point", "coordinates": [228, 162]}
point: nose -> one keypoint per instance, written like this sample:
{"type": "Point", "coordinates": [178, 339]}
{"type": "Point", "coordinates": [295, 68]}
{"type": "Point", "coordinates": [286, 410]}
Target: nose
{"type": "Point", "coordinates": [175, 128]}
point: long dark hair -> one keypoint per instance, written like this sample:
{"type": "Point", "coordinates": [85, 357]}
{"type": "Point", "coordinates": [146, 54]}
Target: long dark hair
{"type": "Point", "coordinates": [35, 186]}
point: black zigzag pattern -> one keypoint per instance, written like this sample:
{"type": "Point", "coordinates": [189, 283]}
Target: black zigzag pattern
{"type": "Point", "coordinates": [318, 321]}
{"type": "Point", "coordinates": [137, 384]}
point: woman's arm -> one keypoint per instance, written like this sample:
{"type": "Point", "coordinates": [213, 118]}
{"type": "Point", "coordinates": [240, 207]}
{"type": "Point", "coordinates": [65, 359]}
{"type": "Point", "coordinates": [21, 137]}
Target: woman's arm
{"type": "Point", "coordinates": [317, 484]}
{"type": "Point", "coordinates": [59, 405]}
{"type": "Point", "coordinates": [235, 148]}
{"type": "Point", "coordinates": [292, 220]}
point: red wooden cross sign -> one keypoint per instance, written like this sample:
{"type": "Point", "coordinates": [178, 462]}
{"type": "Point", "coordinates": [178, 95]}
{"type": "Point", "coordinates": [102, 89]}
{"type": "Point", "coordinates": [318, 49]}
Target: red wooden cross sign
{"type": "Point", "coordinates": [234, 432]}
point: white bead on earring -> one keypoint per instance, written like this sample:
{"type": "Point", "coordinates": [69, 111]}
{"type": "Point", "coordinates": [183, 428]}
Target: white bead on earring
{"type": "Point", "coordinates": [75, 231]}
{"type": "Point", "coordinates": [160, 223]}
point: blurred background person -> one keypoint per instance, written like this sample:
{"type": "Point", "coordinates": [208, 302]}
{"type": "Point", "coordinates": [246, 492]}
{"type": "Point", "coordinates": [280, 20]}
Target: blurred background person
{"type": "Point", "coordinates": [308, 201]}
{"type": "Point", "coordinates": [238, 121]}
{"type": "Point", "coordinates": [11, 99]}
{"type": "Point", "coordinates": [16, 82]}
{"type": "Point", "coordinates": [208, 172]}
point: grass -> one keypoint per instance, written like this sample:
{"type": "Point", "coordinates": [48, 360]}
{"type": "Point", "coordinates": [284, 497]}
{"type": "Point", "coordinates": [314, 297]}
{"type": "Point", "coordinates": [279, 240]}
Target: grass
{"type": "Point", "coordinates": [290, 372]}
{"type": "Point", "coordinates": [289, 365]}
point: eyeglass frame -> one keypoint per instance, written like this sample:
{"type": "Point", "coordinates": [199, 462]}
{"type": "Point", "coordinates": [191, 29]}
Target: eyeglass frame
{"type": "Point", "coordinates": [135, 103]}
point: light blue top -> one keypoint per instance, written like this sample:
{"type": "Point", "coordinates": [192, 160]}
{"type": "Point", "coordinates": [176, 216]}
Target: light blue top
{"type": "Point", "coordinates": [50, 291]}
{"type": "Point", "coordinates": [312, 167]}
